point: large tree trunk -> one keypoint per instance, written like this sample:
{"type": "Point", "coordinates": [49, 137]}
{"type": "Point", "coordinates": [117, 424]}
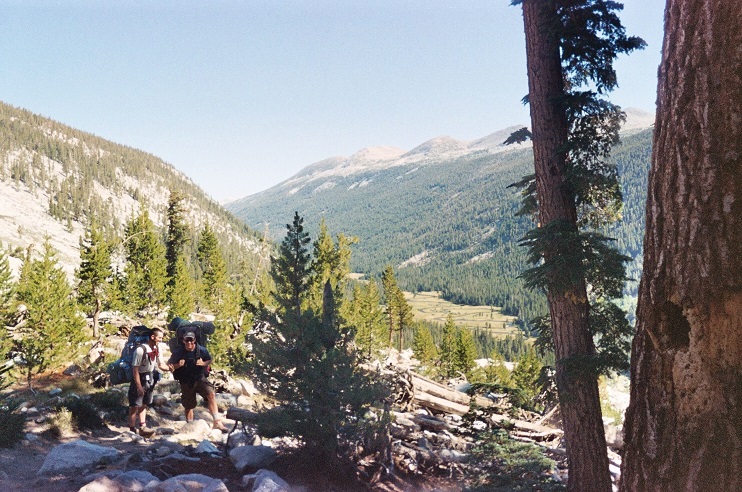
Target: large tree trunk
{"type": "Point", "coordinates": [683, 427]}
{"type": "Point", "coordinates": [578, 389]}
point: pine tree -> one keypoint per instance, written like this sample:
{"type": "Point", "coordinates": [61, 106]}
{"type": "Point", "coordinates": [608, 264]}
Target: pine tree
{"type": "Point", "coordinates": [213, 269]}
{"type": "Point", "coordinates": [7, 296]}
{"type": "Point", "coordinates": [290, 269]}
{"type": "Point", "coordinates": [146, 268]}
{"type": "Point", "coordinates": [423, 345]}
{"type": "Point", "coordinates": [526, 375]}
{"type": "Point", "coordinates": [182, 291]}
{"type": "Point", "coordinates": [367, 315]}
{"type": "Point", "coordinates": [306, 360]}
{"type": "Point", "coordinates": [389, 284]}
{"type": "Point", "coordinates": [94, 274]}
{"type": "Point", "coordinates": [465, 352]}
{"type": "Point", "coordinates": [177, 233]}
{"type": "Point", "coordinates": [570, 47]}
{"type": "Point", "coordinates": [53, 333]}
{"type": "Point", "coordinates": [447, 348]}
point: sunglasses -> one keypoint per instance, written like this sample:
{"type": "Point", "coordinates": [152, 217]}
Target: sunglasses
{"type": "Point", "coordinates": [189, 340]}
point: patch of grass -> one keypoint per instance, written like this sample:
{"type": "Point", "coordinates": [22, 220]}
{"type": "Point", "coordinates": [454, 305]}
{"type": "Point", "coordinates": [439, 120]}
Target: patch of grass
{"type": "Point", "coordinates": [429, 306]}
{"type": "Point", "coordinates": [61, 423]}
{"type": "Point", "coordinates": [498, 463]}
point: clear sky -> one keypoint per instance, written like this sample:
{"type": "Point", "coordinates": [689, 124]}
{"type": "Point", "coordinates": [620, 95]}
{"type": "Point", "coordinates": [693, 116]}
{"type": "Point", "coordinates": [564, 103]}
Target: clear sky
{"type": "Point", "coordinates": [242, 94]}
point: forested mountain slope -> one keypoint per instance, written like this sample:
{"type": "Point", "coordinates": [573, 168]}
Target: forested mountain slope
{"type": "Point", "coordinates": [54, 179]}
{"type": "Point", "coordinates": [441, 214]}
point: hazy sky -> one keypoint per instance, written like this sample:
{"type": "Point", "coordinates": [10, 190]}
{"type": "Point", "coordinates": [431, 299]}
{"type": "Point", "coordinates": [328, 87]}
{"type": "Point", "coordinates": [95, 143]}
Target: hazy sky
{"type": "Point", "coordinates": [242, 94]}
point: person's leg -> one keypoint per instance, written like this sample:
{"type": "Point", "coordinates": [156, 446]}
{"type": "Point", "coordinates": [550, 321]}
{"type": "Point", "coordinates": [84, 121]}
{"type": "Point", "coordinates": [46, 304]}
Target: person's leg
{"type": "Point", "coordinates": [206, 390]}
{"type": "Point", "coordinates": [188, 398]}
{"type": "Point", "coordinates": [134, 403]}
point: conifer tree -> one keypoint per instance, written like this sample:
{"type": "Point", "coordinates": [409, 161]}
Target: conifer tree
{"type": "Point", "coordinates": [570, 49]}
{"type": "Point", "coordinates": [146, 268]}
{"type": "Point", "coordinates": [404, 316]}
{"type": "Point", "coordinates": [423, 345]}
{"type": "Point", "coordinates": [367, 315]}
{"type": "Point", "coordinates": [94, 273]}
{"type": "Point", "coordinates": [447, 348]}
{"type": "Point", "coordinates": [213, 269]}
{"type": "Point", "coordinates": [389, 284]}
{"type": "Point", "coordinates": [177, 233]}
{"type": "Point", "coordinates": [526, 374]}
{"type": "Point", "coordinates": [7, 296]}
{"type": "Point", "coordinates": [53, 333]}
{"type": "Point", "coordinates": [306, 360]}
{"type": "Point", "coordinates": [465, 352]}
{"type": "Point", "coordinates": [182, 291]}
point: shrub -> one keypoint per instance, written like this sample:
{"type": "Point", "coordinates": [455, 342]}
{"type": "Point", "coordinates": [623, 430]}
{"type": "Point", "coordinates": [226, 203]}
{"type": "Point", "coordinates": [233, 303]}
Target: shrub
{"type": "Point", "coordinates": [11, 425]}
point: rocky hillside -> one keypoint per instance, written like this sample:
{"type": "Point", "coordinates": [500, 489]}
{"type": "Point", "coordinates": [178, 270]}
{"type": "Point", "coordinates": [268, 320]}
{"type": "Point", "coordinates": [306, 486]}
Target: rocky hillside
{"type": "Point", "coordinates": [54, 179]}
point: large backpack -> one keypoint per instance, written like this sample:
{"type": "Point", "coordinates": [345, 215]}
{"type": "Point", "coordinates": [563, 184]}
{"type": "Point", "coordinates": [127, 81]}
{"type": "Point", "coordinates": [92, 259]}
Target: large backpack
{"type": "Point", "coordinates": [120, 371]}
{"type": "Point", "coordinates": [181, 326]}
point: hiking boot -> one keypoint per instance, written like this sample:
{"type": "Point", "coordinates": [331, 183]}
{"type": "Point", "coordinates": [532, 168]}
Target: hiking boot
{"type": "Point", "coordinates": [218, 425]}
{"type": "Point", "coordinates": [146, 433]}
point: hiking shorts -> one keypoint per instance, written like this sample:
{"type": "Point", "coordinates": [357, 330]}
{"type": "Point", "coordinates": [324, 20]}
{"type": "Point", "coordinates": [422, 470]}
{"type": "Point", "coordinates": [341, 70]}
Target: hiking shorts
{"type": "Point", "coordinates": [148, 385]}
{"type": "Point", "coordinates": [188, 392]}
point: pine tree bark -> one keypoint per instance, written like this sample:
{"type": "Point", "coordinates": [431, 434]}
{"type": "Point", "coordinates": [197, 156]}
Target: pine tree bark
{"type": "Point", "coordinates": [683, 427]}
{"type": "Point", "coordinates": [578, 389]}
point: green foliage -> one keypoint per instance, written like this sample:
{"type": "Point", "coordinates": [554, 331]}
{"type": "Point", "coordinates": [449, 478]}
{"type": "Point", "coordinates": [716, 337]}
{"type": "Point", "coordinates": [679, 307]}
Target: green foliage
{"type": "Point", "coordinates": [526, 375]}
{"type": "Point", "coordinates": [306, 359]}
{"type": "Point", "coordinates": [499, 463]}
{"type": "Point", "coordinates": [146, 268]}
{"type": "Point", "coordinates": [12, 424]}
{"type": "Point", "coordinates": [423, 345]}
{"type": "Point", "coordinates": [94, 273]}
{"type": "Point", "coordinates": [465, 352]}
{"type": "Point", "coordinates": [213, 269]}
{"type": "Point", "coordinates": [84, 414]}
{"type": "Point", "coordinates": [447, 349]}
{"type": "Point", "coordinates": [53, 333]}
{"type": "Point", "coordinates": [367, 316]}
{"type": "Point", "coordinates": [181, 291]}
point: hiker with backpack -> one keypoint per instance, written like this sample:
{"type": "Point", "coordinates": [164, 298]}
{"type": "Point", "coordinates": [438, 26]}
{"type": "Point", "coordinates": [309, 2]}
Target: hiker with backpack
{"type": "Point", "coordinates": [190, 363]}
{"type": "Point", "coordinates": [144, 363]}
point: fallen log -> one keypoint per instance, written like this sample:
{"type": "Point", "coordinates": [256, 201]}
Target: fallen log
{"type": "Point", "coordinates": [426, 385]}
{"type": "Point", "coordinates": [438, 404]}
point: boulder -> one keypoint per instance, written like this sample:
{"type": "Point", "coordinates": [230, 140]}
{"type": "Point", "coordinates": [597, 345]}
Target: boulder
{"type": "Point", "coordinates": [254, 457]}
{"type": "Point", "coordinates": [76, 455]}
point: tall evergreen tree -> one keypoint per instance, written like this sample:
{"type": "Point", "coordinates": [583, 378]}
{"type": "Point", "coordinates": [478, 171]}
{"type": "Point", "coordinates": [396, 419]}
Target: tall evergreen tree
{"type": "Point", "coordinates": [53, 332]}
{"type": "Point", "coordinates": [177, 233]}
{"type": "Point", "coordinates": [391, 298]}
{"type": "Point", "coordinates": [213, 269]}
{"type": "Point", "coordinates": [94, 274]}
{"type": "Point", "coordinates": [290, 269]}
{"type": "Point", "coordinates": [306, 359]}
{"type": "Point", "coordinates": [7, 296]}
{"type": "Point", "coordinates": [447, 348]}
{"type": "Point", "coordinates": [570, 48]}
{"type": "Point", "coordinates": [465, 352]}
{"type": "Point", "coordinates": [146, 268]}
{"type": "Point", "coordinates": [423, 345]}
{"type": "Point", "coordinates": [367, 315]}
{"type": "Point", "coordinates": [182, 297]}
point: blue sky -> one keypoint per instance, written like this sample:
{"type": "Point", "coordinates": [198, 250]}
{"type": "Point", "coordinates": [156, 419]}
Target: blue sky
{"type": "Point", "coordinates": [242, 94]}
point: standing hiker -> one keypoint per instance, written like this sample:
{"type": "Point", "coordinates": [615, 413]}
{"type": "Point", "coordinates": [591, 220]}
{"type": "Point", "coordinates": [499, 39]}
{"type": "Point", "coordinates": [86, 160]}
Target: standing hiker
{"type": "Point", "coordinates": [190, 365]}
{"type": "Point", "coordinates": [146, 361]}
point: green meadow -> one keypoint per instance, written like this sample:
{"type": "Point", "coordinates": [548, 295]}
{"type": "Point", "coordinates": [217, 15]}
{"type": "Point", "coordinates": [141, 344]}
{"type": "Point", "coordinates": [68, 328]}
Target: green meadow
{"type": "Point", "coordinates": [428, 306]}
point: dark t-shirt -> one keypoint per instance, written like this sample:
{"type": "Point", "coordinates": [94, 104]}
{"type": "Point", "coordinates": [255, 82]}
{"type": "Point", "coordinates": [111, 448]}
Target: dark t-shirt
{"type": "Point", "coordinates": [190, 372]}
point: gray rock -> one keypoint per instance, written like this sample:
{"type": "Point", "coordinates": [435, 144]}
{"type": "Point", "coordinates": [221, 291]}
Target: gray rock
{"type": "Point", "coordinates": [76, 455]}
{"type": "Point", "coordinates": [206, 447]}
{"type": "Point", "coordinates": [265, 481]}
{"type": "Point", "coordinates": [55, 392]}
{"type": "Point", "coordinates": [193, 482]}
{"type": "Point", "coordinates": [252, 457]}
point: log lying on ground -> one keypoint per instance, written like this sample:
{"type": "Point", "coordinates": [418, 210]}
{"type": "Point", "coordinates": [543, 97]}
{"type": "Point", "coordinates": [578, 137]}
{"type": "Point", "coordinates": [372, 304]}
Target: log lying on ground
{"type": "Point", "coordinates": [429, 394]}
{"type": "Point", "coordinates": [241, 415]}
